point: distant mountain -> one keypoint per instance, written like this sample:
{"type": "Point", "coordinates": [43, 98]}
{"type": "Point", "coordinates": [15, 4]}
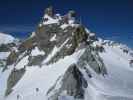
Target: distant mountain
{"type": "Point", "coordinates": [5, 38]}
{"type": "Point", "coordinates": [121, 38]}
{"type": "Point", "coordinates": [63, 60]}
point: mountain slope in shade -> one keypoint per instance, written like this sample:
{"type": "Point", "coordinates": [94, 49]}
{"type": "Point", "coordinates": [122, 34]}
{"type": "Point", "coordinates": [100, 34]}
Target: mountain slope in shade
{"type": "Point", "coordinates": [63, 60]}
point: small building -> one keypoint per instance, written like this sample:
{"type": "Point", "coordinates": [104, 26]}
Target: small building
{"type": "Point", "coordinates": [49, 11]}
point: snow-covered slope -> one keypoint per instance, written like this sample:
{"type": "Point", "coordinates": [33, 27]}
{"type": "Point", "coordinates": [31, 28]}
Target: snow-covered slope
{"type": "Point", "coordinates": [5, 38]}
{"type": "Point", "coordinates": [117, 85]}
{"type": "Point", "coordinates": [7, 44]}
{"type": "Point", "coordinates": [63, 60]}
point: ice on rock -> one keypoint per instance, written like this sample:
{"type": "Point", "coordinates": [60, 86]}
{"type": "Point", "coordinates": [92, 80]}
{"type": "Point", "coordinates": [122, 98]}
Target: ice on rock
{"type": "Point", "coordinates": [53, 38]}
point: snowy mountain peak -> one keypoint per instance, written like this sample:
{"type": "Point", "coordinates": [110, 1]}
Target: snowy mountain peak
{"type": "Point", "coordinates": [51, 18]}
{"type": "Point", "coordinates": [5, 38]}
{"type": "Point", "coordinates": [63, 60]}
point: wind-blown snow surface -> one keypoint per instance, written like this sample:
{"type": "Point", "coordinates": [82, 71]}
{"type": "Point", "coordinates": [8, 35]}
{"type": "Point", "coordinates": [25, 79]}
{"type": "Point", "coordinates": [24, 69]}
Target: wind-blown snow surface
{"type": "Point", "coordinates": [5, 38]}
{"type": "Point", "coordinates": [117, 85]}
{"type": "Point", "coordinates": [4, 55]}
{"type": "Point", "coordinates": [42, 78]}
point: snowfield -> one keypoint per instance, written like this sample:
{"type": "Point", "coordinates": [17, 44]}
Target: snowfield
{"type": "Point", "coordinates": [4, 55]}
{"type": "Point", "coordinates": [36, 77]}
{"type": "Point", "coordinates": [117, 85]}
{"type": "Point", "coordinates": [5, 38]}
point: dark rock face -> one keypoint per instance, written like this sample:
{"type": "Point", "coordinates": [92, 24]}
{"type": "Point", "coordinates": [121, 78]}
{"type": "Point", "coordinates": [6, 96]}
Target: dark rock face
{"type": "Point", "coordinates": [80, 35]}
{"type": "Point", "coordinates": [93, 59]}
{"type": "Point", "coordinates": [4, 48]}
{"type": "Point", "coordinates": [27, 44]}
{"type": "Point", "coordinates": [71, 14]}
{"type": "Point", "coordinates": [14, 77]}
{"type": "Point", "coordinates": [35, 60]}
{"type": "Point", "coordinates": [131, 62]}
{"type": "Point", "coordinates": [73, 83]}
{"type": "Point", "coordinates": [75, 37]}
{"type": "Point", "coordinates": [2, 64]}
{"type": "Point", "coordinates": [7, 47]}
{"type": "Point", "coordinates": [12, 58]}
{"type": "Point", "coordinates": [44, 34]}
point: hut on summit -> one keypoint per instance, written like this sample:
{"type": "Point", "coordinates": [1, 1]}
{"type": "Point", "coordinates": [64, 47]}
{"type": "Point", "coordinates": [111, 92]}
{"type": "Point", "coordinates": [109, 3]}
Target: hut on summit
{"type": "Point", "coordinates": [49, 11]}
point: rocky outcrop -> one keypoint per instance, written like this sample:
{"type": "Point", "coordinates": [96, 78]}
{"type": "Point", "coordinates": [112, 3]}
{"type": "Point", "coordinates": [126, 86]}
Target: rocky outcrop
{"type": "Point", "coordinates": [14, 77]}
{"type": "Point", "coordinates": [92, 58]}
{"type": "Point", "coordinates": [28, 44]}
{"type": "Point", "coordinates": [131, 62]}
{"type": "Point", "coordinates": [12, 58]}
{"type": "Point", "coordinates": [4, 48]}
{"type": "Point", "coordinates": [73, 84]}
{"type": "Point", "coordinates": [35, 60]}
{"type": "Point", "coordinates": [75, 37]}
{"type": "Point", "coordinates": [68, 36]}
{"type": "Point", "coordinates": [49, 11]}
{"type": "Point", "coordinates": [71, 14]}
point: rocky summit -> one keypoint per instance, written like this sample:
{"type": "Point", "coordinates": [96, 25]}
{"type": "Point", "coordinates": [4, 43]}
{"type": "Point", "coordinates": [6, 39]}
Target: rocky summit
{"type": "Point", "coordinates": [63, 60]}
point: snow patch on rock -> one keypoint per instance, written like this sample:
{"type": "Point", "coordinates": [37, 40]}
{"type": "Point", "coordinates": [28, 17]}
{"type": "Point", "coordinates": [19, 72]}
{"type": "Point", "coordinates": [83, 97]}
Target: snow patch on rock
{"type": "Point", "coordinates": [36, 52]}
{"type": "Point", "coordinates": [50, 20]}
{"type": "Point", "coordinates": [53, 38]}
